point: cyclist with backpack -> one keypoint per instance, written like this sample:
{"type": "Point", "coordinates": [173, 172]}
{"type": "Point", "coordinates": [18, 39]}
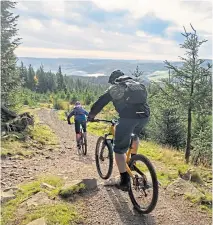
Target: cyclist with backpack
{"type": "Point", "coordinates": [129, 98]}
{"type": "Point", "coordinates": [80, 120]}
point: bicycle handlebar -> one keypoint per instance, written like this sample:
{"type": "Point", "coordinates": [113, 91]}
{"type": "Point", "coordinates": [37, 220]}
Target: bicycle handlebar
{"type": "Point", "coordinates": [113, 121]}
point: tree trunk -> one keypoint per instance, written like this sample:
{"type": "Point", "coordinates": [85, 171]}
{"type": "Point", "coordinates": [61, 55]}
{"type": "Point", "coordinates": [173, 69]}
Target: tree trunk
{"type": "Point", "coordinates": [188, 143]}
{"type": "Point", "coordinates": [7, 114]}
{"type": "Point", "coordinates": [12, 122]}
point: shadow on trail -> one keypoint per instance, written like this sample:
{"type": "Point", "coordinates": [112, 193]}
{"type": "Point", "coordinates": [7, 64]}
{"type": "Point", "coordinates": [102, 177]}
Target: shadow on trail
{"type": "Point", "coordinates": [81, 195]}
{"type": "Point", "coordinates": [128, 215]}
{"type": "Point", "coordinates": [86, 159]}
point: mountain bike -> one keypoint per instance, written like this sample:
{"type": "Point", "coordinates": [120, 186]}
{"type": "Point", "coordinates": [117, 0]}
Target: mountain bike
{"type": "Point", "coordinates": [143, 176]}
{"type": "Point", "coordinates": [82, 144]}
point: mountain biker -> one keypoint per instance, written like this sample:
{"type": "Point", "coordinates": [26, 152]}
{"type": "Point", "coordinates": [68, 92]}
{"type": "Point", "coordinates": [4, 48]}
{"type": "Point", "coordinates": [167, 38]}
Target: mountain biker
{"type": "Point", "coordinates": [80, 120]}
{"type": "Point", "coordinates": [133, 118]}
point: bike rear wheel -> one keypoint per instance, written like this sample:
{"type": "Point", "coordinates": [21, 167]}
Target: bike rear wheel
{"type": "Point", "coordinates": [104, 157]}
{"type": "Point", "coordinates": [144, 185]}
{"type": "Point", "coordinates": [84, 144]}
{"type": "Point", "coordinates": [80, 146]}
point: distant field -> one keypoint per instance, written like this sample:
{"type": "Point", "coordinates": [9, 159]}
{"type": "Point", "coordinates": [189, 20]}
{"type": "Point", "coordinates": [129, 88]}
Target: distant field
{"type": "Point", "coordinates": [157, 75]}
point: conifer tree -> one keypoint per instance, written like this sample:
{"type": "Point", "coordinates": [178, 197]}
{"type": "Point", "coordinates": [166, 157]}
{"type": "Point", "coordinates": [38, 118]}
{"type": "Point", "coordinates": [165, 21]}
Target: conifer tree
{"type": "Point", "coordinates": [187, 86]}
{"type": "Point", "coordinates": [10, 78]}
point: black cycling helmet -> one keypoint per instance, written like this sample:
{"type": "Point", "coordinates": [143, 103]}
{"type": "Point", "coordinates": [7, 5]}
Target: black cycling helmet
{"type": "Point", "coordinates": [114, 75]}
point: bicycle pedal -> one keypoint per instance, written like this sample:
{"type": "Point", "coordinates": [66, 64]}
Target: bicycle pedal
{"type": "Point", "coordinates": [147, 186]}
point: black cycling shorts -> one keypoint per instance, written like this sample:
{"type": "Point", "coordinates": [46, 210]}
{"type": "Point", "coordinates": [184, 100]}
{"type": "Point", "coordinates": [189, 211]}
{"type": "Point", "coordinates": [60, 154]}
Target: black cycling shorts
{"type": "Point", "coordinates": [78, 124]}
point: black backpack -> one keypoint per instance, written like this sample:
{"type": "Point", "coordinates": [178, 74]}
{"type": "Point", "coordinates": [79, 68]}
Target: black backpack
{"type": "Point", "coordinates": [134, 91]}
{"type": "Point", "coordinates": [126, 92]}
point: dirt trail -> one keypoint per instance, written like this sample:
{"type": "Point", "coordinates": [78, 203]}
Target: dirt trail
{"type": "Point", "coordinates": [106, 205]}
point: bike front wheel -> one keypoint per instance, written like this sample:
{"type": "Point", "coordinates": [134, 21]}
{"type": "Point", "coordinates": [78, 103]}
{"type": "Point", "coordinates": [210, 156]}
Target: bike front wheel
{"type": "Point", "coordinates": [144, 185]}
{"type": "Point", "coordinates": [104, 157]}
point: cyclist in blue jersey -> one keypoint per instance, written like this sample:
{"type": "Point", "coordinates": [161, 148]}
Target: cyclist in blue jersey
{"type": "Point", "coordinates": [80, 120]}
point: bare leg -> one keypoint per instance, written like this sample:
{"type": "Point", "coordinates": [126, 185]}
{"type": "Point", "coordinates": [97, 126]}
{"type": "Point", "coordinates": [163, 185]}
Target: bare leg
{"type": "Point", "coordinates": [135, 145]}
{"type": "Point", "coordinates": [121, 162]}
{"type": "Point", "coordinates": [77, 138]}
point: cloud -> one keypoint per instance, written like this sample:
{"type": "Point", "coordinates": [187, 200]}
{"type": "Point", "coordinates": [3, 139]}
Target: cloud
{"type": "Point", "coordinates": [35, 24]}
{"type": "Point", "coordinates": [176, 11]}
{"type": "Point", "coordinates": [110, 29]}
{"type": "Point", "coordinates": [65, 53]}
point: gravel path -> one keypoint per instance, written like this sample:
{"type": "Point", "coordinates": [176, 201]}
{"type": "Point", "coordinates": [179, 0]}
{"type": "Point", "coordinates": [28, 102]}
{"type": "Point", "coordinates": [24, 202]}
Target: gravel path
{"type": "Point", "coordinates": [106, 205]}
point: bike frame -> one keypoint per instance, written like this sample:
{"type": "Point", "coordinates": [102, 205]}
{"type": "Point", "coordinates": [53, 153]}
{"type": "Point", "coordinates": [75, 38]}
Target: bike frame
{"type": "Point", "coordinates": [81, 132]}
{"type": "Point", "coordinates": [112, 132]}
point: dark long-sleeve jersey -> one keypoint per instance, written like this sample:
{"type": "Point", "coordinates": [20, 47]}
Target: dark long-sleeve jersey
{"type": "Point", "coordinates": [102, 101]}
{"type": "Point", "coordinates": [124, 110]}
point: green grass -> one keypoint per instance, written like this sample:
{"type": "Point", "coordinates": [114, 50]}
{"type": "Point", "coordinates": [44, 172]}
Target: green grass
{"type": "Point", "coordinates": [98, 129]}
{"type": "Point", "coordinates": [60, 104]}
{"type": "Point", "coordinates": [205, 202]}
{"type": "Point", "coordinates": [65, 193]}
{"type": "Point", "coordinates": [59, 213]}
{"type": "Point", "coordinates": [166, 177]}
{"type": "Point", "coordinates": [62, 116]}
{"type": "Point", "coordinates": [169, 162]}
{"type": "Point", "coordinates": [14, 148]}
{"type": "Point", "coordinates": [26, 108]}
{"type": "Point", "coordinates": [199, 199]}
{"type": "Point", "coordinates": [206, 209]}
{"type": "Point", "coordinates": [172, 161]}
{"type": "Point", "coordinates": [168, 156]}
{"type": "Point", "coordinates": [15, 143]}
{"type": "Point", "coordinates": [44, 135]}
{"type": "Point", "coordinates": [46, 105]}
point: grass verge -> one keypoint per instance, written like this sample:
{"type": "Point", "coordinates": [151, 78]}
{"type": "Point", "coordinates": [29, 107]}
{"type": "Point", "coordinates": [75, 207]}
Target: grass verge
{"type": "Point", "coordinates": [69, 191]}
{"type": "Point", "coordinates": [11, 148]}
{"type": "Point", "coordinates": [57, 213]}
{"type": "Point", "coordinates": [17, 144]}
{"type": "Point", "coordinates": [60, 214]}
{"type": "Point", "coordinates": [43, 134]}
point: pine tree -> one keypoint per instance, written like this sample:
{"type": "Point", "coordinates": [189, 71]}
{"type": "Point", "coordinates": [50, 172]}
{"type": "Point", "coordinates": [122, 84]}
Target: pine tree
{"type": "Point", "coordinates": [171, 130]}
{"type": "Point", "coordinates": [202, 140]}
{"type": "Point", "coordinates": [186, 82]}
{"type": "Point", "coordinates": [166, 123]}
{"type": "Point", "coordinates": [23, 74]}
{"type": "Point", "coordinates": [51, 81]}
{"type": "Point", "coordinates": [10, 79]}
{"type": "Point", "coordinates": [60, 80]}
{"type": "Point", "coordinates": [42, 82]}
{"type": "Point", "coordinates": [137, 73]}
{"type": "Point", "coordinates": [31, 79]}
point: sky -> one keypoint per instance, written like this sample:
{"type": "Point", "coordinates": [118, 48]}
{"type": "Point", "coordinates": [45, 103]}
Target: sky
{"type": "Point", "coordinates": [113, 29]}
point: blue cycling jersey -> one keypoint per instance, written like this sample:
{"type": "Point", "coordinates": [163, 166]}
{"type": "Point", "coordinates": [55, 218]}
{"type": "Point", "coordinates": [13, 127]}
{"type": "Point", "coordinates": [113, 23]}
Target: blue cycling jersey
{"type": "Point", "coordinates": [79, 113]}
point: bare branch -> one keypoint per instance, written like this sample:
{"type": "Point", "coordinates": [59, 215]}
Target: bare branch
{"type": "Point", "coordinates": [185, 30]}
{"type": "Point", "coordinates": [193, 28]}
{"type": "Point", "coordinates": [184, 35]}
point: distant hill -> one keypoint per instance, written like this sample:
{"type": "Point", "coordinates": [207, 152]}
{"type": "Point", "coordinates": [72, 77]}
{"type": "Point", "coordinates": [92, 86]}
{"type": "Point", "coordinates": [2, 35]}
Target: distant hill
{"type": "Point", "coordinates": [98, 67]}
